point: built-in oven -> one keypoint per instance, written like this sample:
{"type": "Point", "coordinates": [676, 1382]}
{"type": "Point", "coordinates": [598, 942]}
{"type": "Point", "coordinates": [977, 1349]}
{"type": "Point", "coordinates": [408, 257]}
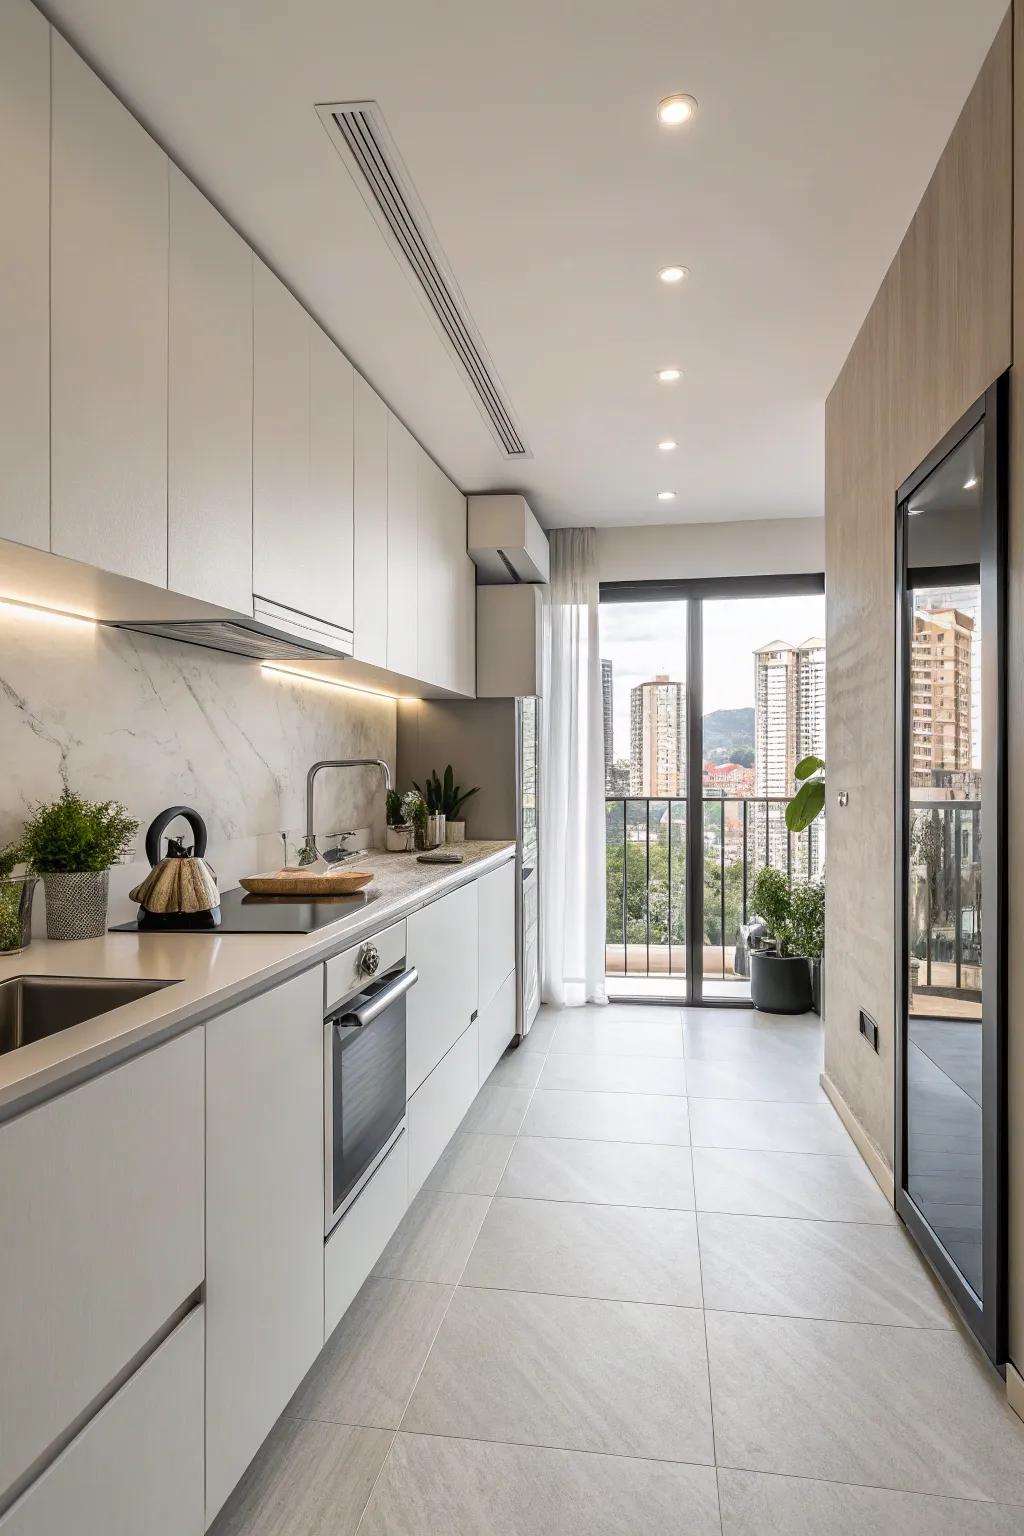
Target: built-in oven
{"type": "Point", "coordinates": [364, 1082]}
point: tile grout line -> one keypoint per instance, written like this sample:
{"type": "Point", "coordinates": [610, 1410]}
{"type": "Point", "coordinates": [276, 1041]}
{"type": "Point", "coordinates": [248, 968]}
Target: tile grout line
{"type": "Point", "coordinates": [707, 1361]}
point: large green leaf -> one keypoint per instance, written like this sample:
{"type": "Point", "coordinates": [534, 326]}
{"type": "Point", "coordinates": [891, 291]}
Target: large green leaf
{"type": "Point", "coordinates": [808, 765]}
{"type": "Point", "coordinates": [806, 804]}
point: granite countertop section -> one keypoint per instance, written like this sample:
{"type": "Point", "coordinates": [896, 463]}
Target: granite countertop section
{"type": "Point", "coordinates": [211, 972]}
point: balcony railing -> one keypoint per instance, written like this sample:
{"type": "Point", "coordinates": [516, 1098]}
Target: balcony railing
{"type": "Point", "coordinates": [945, 928]}
{"type": "Point", "coordinates": [645, 862]}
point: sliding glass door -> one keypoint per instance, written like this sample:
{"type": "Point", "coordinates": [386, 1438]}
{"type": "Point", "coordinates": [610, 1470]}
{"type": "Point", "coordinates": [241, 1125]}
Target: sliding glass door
{"type": "Point", "coordinates": [713, 690]}
{"type": "Point", "coordinates": [950, 821]}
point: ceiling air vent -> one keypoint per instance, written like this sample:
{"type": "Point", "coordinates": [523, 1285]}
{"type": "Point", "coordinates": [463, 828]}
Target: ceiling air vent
{"type": "Point", "coordinates": [360, 135]}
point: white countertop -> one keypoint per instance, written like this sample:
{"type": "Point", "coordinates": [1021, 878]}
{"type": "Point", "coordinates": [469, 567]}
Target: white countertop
{"type": "Point", "coordinates": [211, 971]}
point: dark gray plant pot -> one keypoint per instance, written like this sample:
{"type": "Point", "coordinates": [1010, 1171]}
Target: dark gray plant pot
{"type": "Point", "coordinates": [780, 984]}
{"type": "Point", "coordinates": [76, 905]}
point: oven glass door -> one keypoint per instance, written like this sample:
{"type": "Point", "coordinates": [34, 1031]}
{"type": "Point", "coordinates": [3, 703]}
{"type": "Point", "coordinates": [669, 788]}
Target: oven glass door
{"type": "Point", "coordinates": [367, 1088]}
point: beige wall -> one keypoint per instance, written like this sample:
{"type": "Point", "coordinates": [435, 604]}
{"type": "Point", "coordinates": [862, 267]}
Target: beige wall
{"type": "Point", "coordinates": [762, 547]}
{"type": "Point", "coordinates": [937, 334]}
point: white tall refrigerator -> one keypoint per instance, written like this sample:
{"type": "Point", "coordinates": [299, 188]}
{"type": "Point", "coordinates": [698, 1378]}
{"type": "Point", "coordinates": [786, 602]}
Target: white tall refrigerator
{"type": "Point", "coordinates": [495, 744]}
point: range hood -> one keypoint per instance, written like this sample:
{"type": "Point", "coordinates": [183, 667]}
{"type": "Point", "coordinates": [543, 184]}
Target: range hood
{"type": "Point", "coordinates": [274, 633]}
{"type": "Point", "coordinates": [505, 541]}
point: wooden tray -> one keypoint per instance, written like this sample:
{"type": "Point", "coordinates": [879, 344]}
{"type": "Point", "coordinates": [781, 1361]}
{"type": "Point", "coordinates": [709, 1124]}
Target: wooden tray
{"type": "Point", "coordinates": [297, 882]}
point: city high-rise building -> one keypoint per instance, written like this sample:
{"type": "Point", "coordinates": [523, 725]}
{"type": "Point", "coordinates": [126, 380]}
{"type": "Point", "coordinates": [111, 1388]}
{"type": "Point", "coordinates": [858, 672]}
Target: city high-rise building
{"type": "Point", "coordinates": [966, 600]}
{"type": "Point", "coordinates": [606, 695]}
{"type": "Point", "coordinates": [657, 738]}
{"type": "Point", "coordinates": [940, 694]}
{"type": "Point", "coordinates": [789, 711]}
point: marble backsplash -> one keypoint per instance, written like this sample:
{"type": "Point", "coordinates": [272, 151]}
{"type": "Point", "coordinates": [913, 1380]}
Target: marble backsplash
{"type": "Point", "coordinates": [155, 722]}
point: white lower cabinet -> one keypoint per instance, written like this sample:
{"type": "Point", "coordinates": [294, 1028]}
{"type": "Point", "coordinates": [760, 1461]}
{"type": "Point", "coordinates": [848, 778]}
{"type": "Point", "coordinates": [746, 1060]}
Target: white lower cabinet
{"type": "Point", "coordinates": [264, 1218]}
{"type": "Point", "coordinates": [442, 945]}
{"type": "Point", "coordinates": [101, 1238]}
{"type": "Point", "coordinates": [435, 1109]}
{"type": "Point", "coordinates": [497, 1025]}
{"type": "Point", "coordinates": [363, 1233]}
{"type": "Point", "coordinates": [137, 1467]}
{"type": "Point", "coordinates": [497, 899]}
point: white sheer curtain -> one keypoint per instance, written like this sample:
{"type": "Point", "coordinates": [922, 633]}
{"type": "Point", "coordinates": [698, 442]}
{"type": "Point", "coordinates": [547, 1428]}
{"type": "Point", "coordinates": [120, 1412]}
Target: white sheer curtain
{"type": "Point", "coordinates": [572, 891]}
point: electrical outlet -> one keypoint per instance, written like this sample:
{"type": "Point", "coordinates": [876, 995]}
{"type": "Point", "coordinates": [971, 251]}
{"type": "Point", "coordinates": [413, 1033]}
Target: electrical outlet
{"type": "Point", "coordinates": [869, 1029]}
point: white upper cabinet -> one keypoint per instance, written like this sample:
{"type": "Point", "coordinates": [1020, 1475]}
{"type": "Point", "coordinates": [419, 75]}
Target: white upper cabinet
{"type": "Point", "coordinates": [446, 583]}
{"type": "Point", "coordinates": [109, 238]}
{"type": "Point", "coordinates": [403, 577]}
{"type": "Point", "coordinates": [25, 274]}
{"type": "Point", "coordinates": [327, 536]}
{"type": "Point", "coordinates": [370, 507]}
{"type": "Point", "coordinates": [209, 464]}
{"type": "Point", "coordinates": [462, 620]}
{"type": "Point", "coordinates": [280, 444]}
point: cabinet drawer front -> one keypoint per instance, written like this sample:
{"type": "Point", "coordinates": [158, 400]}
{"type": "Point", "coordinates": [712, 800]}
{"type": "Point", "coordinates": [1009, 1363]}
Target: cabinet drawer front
{"type": "Point", "coordinates": [345, 973]}
{"type": "Point", "coordinates": [497, 930]}
{"type": "Point", "coordinates": [443, 947]}
{"type": "Point", "coordinates": [438, 1106]}
{"type": "Point", "coordinates": [138, 1465]}
{"type": "Point", "coordinates": [497, 1025]}
{"type": "Point", "coordinates": [363, 1233]}
{"type": "Point", "coordinates": [101, 1211]}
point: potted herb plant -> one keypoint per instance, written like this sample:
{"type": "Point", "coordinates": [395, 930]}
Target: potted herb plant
{"type": "Point", "coordinates": [808, 928]}
{"type": "Point", "coordinates": [415, 810]}
{"type": "Point", "coordinates": [780, 979]}
{"type": "Point", "coordinates": [72, 843]}
{"type": "Point", "coordinates": [398, 833]}
{"type": "Point", "coordinates": [16, 892]}
{"type": "Point", "coordinates": [446, 798]}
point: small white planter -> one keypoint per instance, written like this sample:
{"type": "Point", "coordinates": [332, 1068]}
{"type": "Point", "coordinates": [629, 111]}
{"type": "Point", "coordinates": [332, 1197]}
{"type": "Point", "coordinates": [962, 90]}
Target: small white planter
{"type": "Point", "coordinates": [455, 832]}
{"type": "Point", "coordinates": [398, 839]}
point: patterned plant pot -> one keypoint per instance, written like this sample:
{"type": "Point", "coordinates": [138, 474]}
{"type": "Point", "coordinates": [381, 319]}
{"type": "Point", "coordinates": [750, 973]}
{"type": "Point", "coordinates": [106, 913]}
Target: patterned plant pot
{"type": "Point", "coordinates": [455, 832]}
{"type": "Point", "coordinates": [76, 904]}
{"type": "Point", "coordinates": [16, 913]}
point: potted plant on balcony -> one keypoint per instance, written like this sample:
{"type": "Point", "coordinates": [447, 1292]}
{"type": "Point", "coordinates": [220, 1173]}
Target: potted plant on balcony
{"type": "Point", "coordinates": [446, 798]}
{"type": "Point", "coordinates": [807, 925]}
{"type": "Point", "coordinates": [398, 833]}
{"type": "Point", "coordinates": [780, 979]}
{"type": "Point", "coordinates": [72, 843]}
{"type": "Point", "coordinates": [809, 801]}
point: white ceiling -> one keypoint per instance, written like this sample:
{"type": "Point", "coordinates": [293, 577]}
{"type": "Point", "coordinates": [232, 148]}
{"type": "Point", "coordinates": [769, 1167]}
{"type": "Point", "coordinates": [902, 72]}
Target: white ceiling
{"type": "Point", "coordinates": [530, 134]}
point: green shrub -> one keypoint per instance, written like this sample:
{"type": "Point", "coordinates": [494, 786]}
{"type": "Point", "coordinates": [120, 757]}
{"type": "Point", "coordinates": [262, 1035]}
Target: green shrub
{"type": "Point", "coordinates": [73, 835]}
{"type": "Point", "coordinates": [808, 920]}
{"type": "Point", "coordinates": [772, 901]}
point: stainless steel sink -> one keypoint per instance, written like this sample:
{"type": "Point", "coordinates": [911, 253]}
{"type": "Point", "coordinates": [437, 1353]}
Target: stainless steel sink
{"type": "Point", "coordinates": [35, 1007]}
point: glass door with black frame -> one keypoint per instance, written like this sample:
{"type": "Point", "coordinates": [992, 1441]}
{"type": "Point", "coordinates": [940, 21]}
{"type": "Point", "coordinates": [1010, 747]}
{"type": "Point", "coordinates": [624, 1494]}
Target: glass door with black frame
{"type": "Point", "coordinates": [950, 728]}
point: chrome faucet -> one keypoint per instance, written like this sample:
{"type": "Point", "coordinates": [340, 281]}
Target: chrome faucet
{"type": "Point", "coordinates": [310, 853]}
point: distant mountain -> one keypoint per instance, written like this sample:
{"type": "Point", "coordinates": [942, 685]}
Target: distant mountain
{"type": "Point", "coordinates": [728, 732]}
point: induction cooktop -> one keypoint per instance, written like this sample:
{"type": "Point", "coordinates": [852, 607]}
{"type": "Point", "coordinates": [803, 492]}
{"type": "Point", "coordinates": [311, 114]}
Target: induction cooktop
{"type": "Point", "coordinates": [242, 913]}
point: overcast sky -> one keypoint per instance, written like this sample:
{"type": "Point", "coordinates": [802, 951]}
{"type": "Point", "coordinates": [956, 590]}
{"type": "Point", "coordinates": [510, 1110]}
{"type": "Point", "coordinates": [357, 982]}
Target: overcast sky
{"type": "Point", "coordinates": [642, 640]}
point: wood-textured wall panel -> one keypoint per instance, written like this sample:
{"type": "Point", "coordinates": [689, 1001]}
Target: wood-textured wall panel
{"type": "Point", "coordinates": [938, 333]}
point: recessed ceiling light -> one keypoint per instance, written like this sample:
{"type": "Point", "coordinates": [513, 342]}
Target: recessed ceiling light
{"type": "Point", "coordinates": [667, 444]}
{"type": "Point", "coordinates": [673, 111]}
{"type": "Point", "coordinates": [673, 274]}
{"type": "Point", "coordinates": [971, 483]}
{"type": "Point", "coordinates": [669, 375]}
{"type": "Point", "coordinates": [666, 495]}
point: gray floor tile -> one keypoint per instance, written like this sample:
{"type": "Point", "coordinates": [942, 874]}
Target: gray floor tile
{"type": "Point", "coordinates": [788, 1184]}
{"type": "Point", "coordinates": [434, 1487]}
{"type": "Point", "coordinates": [787, 1041]}
{"type": "Point", "coordinates": [845, 1272]}
{"type": "Point", "coordinates": [615, 1074]}
{"type": "Point", "coordinates": [538, 1036]}
{"type": "Point", "coordinates": [618, 1252]}
{"type": "Point", "coordinates": [579, 1034]}
{"type": "Point", "coordinates": [471, 1164]}
{"type": "Point", "coordinates": [754, 1504]}
{"type": "Point", "coordinates": [369, 1366]}
{"type": "Point", "coordinates": [604, 1172]}
{"type": "Point", "coordinates": [434, 1238]}
{"type": "Point", "coordinates": [768, 1126]}
{"type": "Point", "coordinates": [636, 1117]}
{"type": "Point", "coordinates": [497, 1111]}
{"type": "Point", "coordinates": [793, 1083]}
{"type": "Point", "coordinates": [517, 1069]}
{"type": "Point", "coordinates": [309, 1479]}
{"type": "Point", "coordinates": [606, 1376]}
{"type": "Point", "coordinates": [908, 1408]}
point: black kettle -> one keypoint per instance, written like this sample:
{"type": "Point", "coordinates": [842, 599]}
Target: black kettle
{"type": "Point", "coordinates": [180, 890]}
